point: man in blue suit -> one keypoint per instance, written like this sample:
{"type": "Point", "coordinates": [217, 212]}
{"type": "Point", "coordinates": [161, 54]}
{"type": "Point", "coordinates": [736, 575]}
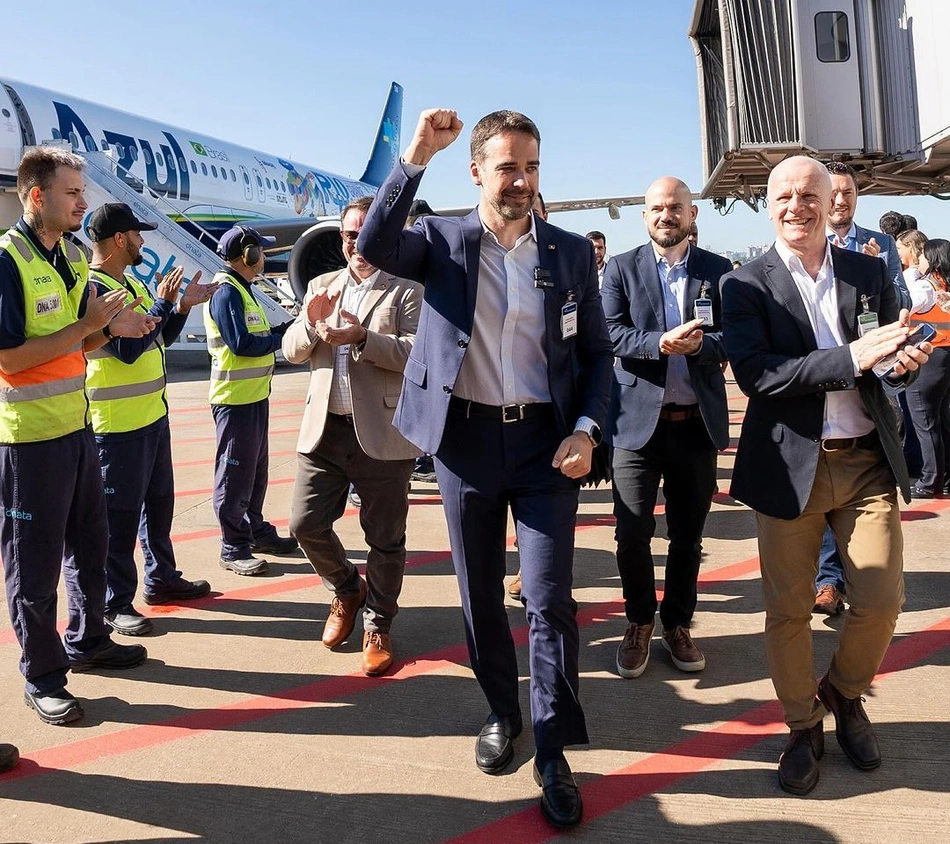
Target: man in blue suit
{"type": "Point", "coordinates": [507, 387]}
{"type": "Point", "coordinates": [667, 419]}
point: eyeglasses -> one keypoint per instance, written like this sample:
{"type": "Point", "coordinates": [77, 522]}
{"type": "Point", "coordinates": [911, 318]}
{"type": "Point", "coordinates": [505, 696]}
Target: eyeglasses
{"type": "Point", "coordinates": [350, 237]}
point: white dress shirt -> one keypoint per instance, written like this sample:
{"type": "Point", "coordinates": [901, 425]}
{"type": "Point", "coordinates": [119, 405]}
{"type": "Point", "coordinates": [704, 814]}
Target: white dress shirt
{"type": "Point", "coordinates": [845, 413]}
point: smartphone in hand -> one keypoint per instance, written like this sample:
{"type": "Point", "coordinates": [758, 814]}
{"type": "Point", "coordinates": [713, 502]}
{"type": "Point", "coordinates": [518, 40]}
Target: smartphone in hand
{"type": "Point", "coordinates": [923, 332]}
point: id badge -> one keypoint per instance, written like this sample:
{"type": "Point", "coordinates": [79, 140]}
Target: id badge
{"type": "Point", "coordinates": [702, 309]}
{"type": "Point", "coordinates": [867, 322]}
{"type": "Point", "coordinates": [568, 320]}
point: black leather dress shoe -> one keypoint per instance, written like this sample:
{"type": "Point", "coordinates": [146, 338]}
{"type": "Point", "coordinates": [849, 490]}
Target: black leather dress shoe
{"type": "Point", "coordinates": [58, 707]}
{"type": "Point", "coordinates": [852, 727]}
{"type": "Point", "coordinates": [275, 545]}
{"type": "Point", "coordinates": [129, 622]}
{"type": "Point", "coordinates": [180, 590]}
{"type": "Point", "coordinates": [9, 756]}
{"type": "Point", "coordinates": [798, 764]}
{"type": "Point", "coordinates": [561, 802]}
{"type": "Point", "coordinates": [111, 656]}
{"type": "Point", "coordinates": [494, 746]}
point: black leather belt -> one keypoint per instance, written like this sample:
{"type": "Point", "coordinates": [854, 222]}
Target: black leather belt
{"type": "Point", "coordinates": [347, 418]}
{"type": "Point", "coordinates": [504, 413]}
{"type": "Point", "coordinates": [868, 440]}
{"type": "Point", "coordinates": [679, 412]}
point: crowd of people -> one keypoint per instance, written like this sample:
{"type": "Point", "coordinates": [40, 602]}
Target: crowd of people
{"type": "Point", "coordinates": [506, 350]}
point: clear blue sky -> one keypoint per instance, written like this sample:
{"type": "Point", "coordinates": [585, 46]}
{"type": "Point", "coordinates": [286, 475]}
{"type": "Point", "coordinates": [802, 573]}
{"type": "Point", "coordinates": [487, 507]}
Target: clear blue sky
{"type": "Point", "coordinates": [612, 86]}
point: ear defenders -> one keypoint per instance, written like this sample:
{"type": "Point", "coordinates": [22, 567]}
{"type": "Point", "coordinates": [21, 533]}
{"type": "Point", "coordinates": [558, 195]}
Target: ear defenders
{"type": "Point", "coordinates": [250, 254]}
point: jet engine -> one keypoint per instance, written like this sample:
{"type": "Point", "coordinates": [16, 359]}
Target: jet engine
{"type": "Point", "coordinates": [318, 250]}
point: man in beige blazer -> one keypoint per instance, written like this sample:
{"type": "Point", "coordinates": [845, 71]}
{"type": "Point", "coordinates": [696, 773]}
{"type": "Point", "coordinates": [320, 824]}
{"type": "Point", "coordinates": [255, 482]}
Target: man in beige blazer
{"type": "Point", "coordinates": [356, 328]}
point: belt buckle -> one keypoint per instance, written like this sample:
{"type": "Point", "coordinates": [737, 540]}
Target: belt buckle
{"type": "Point", "coordinates": [512, 413]}
{"type": "Point", "coordinates": [844, 443]}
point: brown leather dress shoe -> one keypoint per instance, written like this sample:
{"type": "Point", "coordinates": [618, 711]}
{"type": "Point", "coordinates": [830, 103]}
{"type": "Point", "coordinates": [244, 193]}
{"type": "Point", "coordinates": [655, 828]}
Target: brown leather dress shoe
{"type": "Point", "coordinates": [634, 651]}
{"type": "Point", "coordinates": [828, 600]}
{"type": "Point", "coordinates": [9, 756]}
{"type": "Point", "coordinates": [798, 764]}
{"type": "Point", "coordinates": [852, 726]}
{"type": "Point", "coordinates": [342, 618]}
{"type": "Point", "coordinates": [683, 651]}
{"type": "Point", "coordinates": [377, 653]}
{"type": "Point", "coordinates": [514, 588]}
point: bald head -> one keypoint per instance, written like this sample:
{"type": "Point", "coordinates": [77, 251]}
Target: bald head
{"type": "Point", "coordinates": [799, 194]}
{"type": "Point", "coordinates": [669, 212]}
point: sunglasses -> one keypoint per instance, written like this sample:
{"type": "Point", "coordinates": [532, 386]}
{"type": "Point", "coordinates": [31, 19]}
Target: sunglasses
{"type": "Point", "coordinates": [350, 237]}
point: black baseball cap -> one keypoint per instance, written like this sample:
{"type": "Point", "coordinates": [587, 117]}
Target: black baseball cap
{"type": "Point", "coordinates": [236, 239]}
{"type": "Point", "coordinates": [115, 217]}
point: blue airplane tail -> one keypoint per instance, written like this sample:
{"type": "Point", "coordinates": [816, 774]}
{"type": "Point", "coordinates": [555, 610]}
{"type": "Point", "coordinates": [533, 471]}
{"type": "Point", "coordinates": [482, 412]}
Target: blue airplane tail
{"type": "Point", "coordinates": [386, 147]}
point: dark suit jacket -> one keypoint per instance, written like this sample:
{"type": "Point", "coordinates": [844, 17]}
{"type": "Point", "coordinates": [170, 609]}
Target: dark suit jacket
{"type": "Point", "coordinates": [633, 304]}
{"type": "Point", "coordinates": [443, 254]}
{"type": "Point", "coordinates": [778, 365]}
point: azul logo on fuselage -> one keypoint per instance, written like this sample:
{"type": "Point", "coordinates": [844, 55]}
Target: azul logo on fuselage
{"type": "Point", "coordinates": [176, 183]}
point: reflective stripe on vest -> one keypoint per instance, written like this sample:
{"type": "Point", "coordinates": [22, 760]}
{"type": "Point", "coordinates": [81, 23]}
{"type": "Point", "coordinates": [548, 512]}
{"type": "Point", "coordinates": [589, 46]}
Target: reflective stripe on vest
{"type": "Point", "coordinates": [48, 400]}
{"type": "Point", "coordinates": [937, 317]}
{"type": "Point", "coordinates": [236, 379]}
{"type": "Point", "coordinates": [126, 396]}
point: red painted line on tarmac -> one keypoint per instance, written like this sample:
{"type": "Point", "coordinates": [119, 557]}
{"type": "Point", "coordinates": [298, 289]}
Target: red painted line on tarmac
{"type": "Point", "coordinates": [661, 770]}
{"type": "Point", "coordinates": [250, 710]}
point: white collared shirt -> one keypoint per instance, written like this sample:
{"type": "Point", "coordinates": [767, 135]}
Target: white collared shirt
{"type": "Point", "coordinates": [354, 292]}
{"type": "Point", "coordinates": [845, 413]}
{"type": "Point", "coordinates": [506, 362]}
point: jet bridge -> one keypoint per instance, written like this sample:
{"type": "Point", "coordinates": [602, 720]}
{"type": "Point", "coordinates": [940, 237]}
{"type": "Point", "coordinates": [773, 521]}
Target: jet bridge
{"type": "Point", "coordinates": [168, 246]}
{"type": "Point", "coordinates": [862, 81]}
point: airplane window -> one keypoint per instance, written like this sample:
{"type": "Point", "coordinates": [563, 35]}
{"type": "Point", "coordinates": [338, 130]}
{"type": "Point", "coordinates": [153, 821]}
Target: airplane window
{"type": "Point", "coordinates": [204, 169]}
{"type": "Point", "coordinates": [214, 171]}
{"type": "Point", "coordinates": [181, 164]}
{"type": "Point", "coordinates": [268, 184]}
{"type": "Point", "coordinates": [224, 174]}
{"type": "Point", "coordinates": [57, 135]}
{"type": "Point", "coordinates": [6, 112]}
{"type": "Point", "coordinates": [159, 159]}
{"type": "Point", "coordinates": [74, 140]}
{"type": "Point", "coordinates": [247, 181]}
{"type": "Point", "coordinates": [90, 144]}
{"type": "Point", "coordinates": [260, 184]}
{"type": "Point", "coordinates": [146, 152]}
{"type": "Point", "coordinates": [134, 150]}
{"type": "Point", "coordinates": [194, 167]}
{"type": "Point", "coordinates": [233, 177]}
{"type": "Point", "coordinates": [120, 149]}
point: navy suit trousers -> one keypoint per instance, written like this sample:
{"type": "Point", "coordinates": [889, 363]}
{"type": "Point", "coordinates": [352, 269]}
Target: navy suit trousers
{"type": "Point", "coordinates": [140, 497]}
{"type": "Point", "coordinates": [53, 520]}
{"type": "Point", "coordinates": [483, 467]}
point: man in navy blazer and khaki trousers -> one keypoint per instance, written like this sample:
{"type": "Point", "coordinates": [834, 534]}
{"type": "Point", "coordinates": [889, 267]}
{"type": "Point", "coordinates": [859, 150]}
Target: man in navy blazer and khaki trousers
{"type": "Point", "coordinates": [667, 418]}
{"type": "Point", "coordinates": [819, 447]}
{"type": "Point", "coordinates": [507, 387]}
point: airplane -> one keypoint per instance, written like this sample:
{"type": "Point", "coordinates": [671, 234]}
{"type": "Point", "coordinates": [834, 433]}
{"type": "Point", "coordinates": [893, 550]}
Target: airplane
{"type": "Point", "coordinates": [207, 184]}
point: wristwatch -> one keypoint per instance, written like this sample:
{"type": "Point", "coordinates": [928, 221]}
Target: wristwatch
{"type": "Point", "coordinates": [592, 429]}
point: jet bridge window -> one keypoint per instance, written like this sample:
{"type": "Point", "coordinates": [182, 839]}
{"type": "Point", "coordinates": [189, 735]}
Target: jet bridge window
{"type": "Point", "coordinates": [831, 37]}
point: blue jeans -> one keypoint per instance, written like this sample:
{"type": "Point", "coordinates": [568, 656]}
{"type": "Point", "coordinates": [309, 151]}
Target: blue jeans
{"type": "Point", "coordinates": [830, 570]}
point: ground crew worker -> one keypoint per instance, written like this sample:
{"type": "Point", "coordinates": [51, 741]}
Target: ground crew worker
{"type": "Point", "coordinates": [52, 507]}
{"type": "Point", "coordinates": [125, 380]}
{"type": "Point", "coordinates": [242, 345]}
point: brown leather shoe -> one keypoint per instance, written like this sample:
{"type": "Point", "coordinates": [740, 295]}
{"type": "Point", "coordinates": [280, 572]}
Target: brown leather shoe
{"type": "Point", "coordinates": [514, 588]}
{"type": "Point", "coordinates": [828, 600]}
{"type": "Point", "coordinates": [377, 653]}
{"type": "Point", "coordinates": [634, 651]}
{"type": "Point", "coordinates": [852, 726]}
{"type": "Point", "coordinates": [683, 651]}
{"type": "Point", "coordinates": [798, 764]}
{"type": "Point", "coordinates": [342, 618]}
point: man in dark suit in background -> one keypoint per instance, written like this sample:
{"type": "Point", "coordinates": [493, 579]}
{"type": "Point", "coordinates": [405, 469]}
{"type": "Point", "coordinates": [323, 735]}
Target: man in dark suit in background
{"type": "Point", "coordinates": [819, 446]}
{"type": "Point", "coordinates": [507, 387]}
{"type": "Point", "coordinates": [667, 418]}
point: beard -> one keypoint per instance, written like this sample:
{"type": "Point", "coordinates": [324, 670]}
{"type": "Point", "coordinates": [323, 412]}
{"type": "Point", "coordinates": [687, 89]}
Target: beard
{"type": "Point", "coordinates": [137, 260]}
{"type": "Point", "coordinates": [665, 238]}
{"type": "Point", "coordinates": [512, 212]}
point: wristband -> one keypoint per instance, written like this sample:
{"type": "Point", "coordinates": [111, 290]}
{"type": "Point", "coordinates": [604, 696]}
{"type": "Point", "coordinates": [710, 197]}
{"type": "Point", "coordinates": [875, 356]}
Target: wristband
{"type": "Point", "coordinates": [107, 332]}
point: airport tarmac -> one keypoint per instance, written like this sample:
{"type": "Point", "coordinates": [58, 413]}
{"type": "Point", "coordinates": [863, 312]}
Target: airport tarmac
{"type": "Point", "coordinates": [242, 727]}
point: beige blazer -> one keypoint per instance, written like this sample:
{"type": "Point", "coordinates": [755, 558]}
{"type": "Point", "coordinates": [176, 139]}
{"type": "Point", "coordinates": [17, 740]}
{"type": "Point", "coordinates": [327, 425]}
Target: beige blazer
{"type": "Point", "coordinates": [390, 315]}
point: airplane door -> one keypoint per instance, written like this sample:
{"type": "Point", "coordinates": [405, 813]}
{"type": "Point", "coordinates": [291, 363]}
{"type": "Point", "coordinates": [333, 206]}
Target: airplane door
{"type": "Point", "coordinates": [248, 190]}
{"type": "Point", "coordinates": [261, 197]}
{"type": "Point", "coordinates": [10, 136]}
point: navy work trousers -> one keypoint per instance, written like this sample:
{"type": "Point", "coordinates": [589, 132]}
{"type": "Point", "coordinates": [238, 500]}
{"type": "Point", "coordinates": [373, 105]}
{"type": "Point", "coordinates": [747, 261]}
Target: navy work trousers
{"type": "Point", "coordinates": [484, 466]}
{"type": "Point", "coordinates": [240, 476]}
{"type": "Point", "coordinates": [140, 497]}
{"type": "Point", "coordinates": [53, 519]}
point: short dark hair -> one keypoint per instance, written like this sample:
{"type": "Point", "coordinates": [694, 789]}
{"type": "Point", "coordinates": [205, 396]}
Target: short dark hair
{"type": "Point", "coordinates": [910, 221]}
{"type": "Point", "coordinates": [497, 122]}
{"type": "Point", "coordinates": [839, 168]}
{"type": "Point", "coordinates": [361, 203]}
{"type": "Point", "coordinates": [892, 223]}
{"type": "Point", "coordinates": [38, 168]}
{"type": "Point", "coordinates": [937, 253]}
{"type": "Point", "coordinates": [596, 235]}
{"type": "Point", "coordinates": [544, 208]}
